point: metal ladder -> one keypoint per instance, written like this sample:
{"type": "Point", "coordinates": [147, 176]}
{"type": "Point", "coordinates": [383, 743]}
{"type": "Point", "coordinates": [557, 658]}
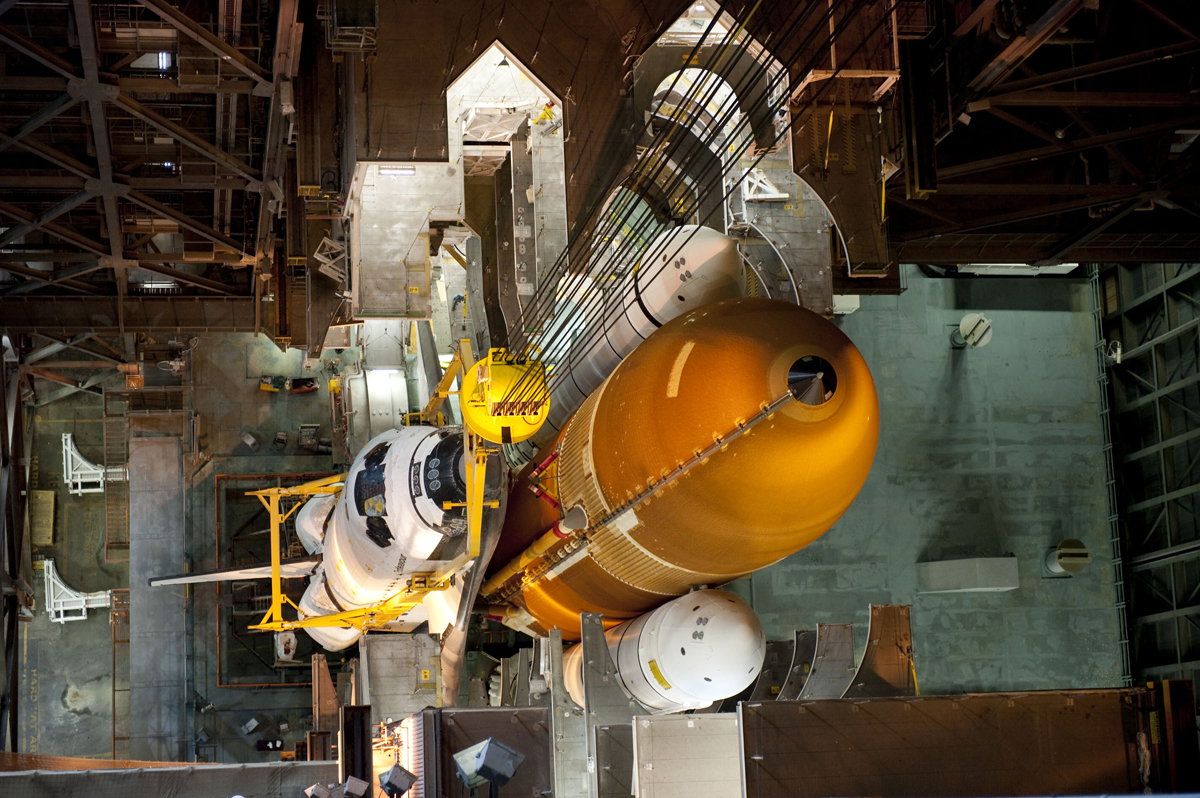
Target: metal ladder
{"type": "Point", "coordinates": [116, 493]}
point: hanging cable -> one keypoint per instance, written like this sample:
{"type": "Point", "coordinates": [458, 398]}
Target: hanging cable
{"type": "Point", "coordinates": [623, 269]}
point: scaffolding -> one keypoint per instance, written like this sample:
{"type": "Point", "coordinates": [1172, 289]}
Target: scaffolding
{"type": "Point", "coordinates": [82, 475]}
{"type": "Point", "coordinates": [64, 603]}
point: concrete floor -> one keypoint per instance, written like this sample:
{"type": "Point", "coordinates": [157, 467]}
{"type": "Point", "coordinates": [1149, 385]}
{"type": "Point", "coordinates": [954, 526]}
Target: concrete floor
{"type": "Point", "coordinates": [227, 397]}
{"type": "Point", "coordinates": [981, 453]}
{"type": "Point", "coordinates": [157, 615]}
{"type": "Point", "coordinates": [65, 700]}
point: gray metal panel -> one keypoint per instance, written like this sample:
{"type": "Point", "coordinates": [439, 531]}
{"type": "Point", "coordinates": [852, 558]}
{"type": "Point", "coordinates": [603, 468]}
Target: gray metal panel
{"type": "Point", "coordinates": [687, 755]}
{"type": "Point", "coordinates": [403, 674]}
{"type": "Point", "coordinates": [803, 651]}
{"type": "Point", "coordinates": [975, 744]}
{"type": "Point", "coordinates": [262, 780]}
{"type": "Point", "coordinates": [569, 729]}
{"type": "Point", "coordinates": [526, 729]}
{"type": "Point", "coordinates": [614, 761]}
{"type": "Point", "coordinates": [886, 668]}
{"type": "Point", "coordinates": [68, 315]}
{"type": "Point", "coordinates": [524, 228]}
{"type": "Point", "coordinates": [383, 343]}
{"type": "Point", "coordinates": [157, 620]}
{"type": "Point", "coordinates": [431, 369]}
{"type": "Point", "coordinates": [833, 663]}
{"type": "Point", "coordinates": [776, 665]}
{"type": "Point", "coordinates": [550, 196]}
{"type": "Point", "coordinates": [606, 703]}
{"type": "Point", "coordinates": [506, 260]}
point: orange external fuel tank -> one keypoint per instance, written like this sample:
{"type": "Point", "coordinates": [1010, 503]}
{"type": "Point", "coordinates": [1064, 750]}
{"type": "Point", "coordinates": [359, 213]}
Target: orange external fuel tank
{"type": "Point", "coordinates": [733, 436]}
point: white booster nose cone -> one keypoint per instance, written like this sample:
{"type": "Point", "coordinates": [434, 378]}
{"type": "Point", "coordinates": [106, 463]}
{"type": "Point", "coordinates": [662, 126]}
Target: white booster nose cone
{"type": "Point", "coordinates": [688, 653]}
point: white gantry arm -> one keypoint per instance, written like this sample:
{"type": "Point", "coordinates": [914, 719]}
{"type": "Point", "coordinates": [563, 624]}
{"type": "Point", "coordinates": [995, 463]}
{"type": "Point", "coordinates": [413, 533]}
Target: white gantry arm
{"type": "Point", "coordinates": [82, 475]}
{"type": "Point", "coordinates": [64, 603]}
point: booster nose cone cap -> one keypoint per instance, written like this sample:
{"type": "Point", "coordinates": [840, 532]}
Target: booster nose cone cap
{"type": "Point", "coordinates": [710, 644]}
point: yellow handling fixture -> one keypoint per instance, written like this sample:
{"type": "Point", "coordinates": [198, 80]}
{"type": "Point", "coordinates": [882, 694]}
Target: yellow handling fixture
{"type": "Point", "coordinates": [504, 399]}
{"type": "Point", "coordinates": [362, 619]}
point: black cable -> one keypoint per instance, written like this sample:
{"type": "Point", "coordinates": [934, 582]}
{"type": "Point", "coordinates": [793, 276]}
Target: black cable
{"type": "Point", "coordinates": [611, 227]}
{"type": "Point", "coordinates": [662, 158]}
{"type": "Point", "coordinates": [607, 308]}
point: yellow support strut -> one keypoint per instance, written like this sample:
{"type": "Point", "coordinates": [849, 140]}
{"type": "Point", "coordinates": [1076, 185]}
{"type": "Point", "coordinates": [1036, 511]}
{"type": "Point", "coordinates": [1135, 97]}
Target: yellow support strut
{"type": "Point", "coordinates": [419, 585]}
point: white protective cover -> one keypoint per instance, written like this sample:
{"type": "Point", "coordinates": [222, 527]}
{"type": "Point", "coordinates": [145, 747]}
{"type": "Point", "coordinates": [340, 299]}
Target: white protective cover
{"type": "Point", "coordinates": [310, 522]}
{"type": "Point", "coordinates": [683, 268]}
{"type": "Point", "coordinates": [688, 653]}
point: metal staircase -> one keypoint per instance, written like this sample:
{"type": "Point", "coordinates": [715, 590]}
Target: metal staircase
{"type": "Point", "coordinates": [116, 493]}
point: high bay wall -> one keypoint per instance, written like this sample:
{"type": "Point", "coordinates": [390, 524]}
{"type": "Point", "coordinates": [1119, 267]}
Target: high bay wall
{"type": "Point", "coordinates": [1151, 326]}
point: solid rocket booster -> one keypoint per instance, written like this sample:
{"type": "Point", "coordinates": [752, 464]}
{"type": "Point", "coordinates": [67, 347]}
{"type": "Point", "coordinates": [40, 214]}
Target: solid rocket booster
{"type": "Point", "coordinates": [682, 268]}
{"type": "Point", "coordinates": [733, 436]}
{"type": "Point", "coordinates": [686, 654]}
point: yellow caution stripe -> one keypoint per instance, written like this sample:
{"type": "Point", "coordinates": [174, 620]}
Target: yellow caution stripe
{"type": "Point", "coordinates": [658, 674]}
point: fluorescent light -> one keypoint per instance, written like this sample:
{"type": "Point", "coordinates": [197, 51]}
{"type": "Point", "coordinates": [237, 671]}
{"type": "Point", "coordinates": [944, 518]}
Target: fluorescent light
{"type": "Point", "coordinates": [168, 164]}
{"type": "Point", "coordinates": [397, 170]}
{"type": "Point", "coordinates": [164, 61]}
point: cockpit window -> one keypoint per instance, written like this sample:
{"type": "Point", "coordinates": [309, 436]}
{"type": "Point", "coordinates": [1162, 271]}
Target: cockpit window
{"type": "Point", "coordinates": [443, 474]}
{"type": "Point", "coordinates": [369, 497]}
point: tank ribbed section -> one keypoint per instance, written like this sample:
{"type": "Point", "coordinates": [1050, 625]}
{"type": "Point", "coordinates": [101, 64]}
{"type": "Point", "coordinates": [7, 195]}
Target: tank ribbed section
{"type": "Point", "coordinates": [577, 480]}
{"type": "Point", "coordinates": [615, 552]}
{"type": "Point", "coordinates": [610, 548]}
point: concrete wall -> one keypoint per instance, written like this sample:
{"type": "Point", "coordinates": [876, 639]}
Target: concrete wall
{"type": "Point", "coordinates": [981, 453]}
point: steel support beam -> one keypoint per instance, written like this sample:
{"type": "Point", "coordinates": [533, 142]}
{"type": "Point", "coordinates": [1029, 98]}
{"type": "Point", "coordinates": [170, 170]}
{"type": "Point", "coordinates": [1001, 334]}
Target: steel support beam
{"type": "Point", "coordinates": [40, 279]}
{"type": "Point", "coordinates": [272, 164]}
{"type": "Point", "coordinates": [1085, 99]}
{"type": "Point", "coordinates": [975, 18]}
{"type": "Point", "coordinates": [65, 233]}
{"type": "Point", "coordinates": [191, 279]}
{"type": "Point", "coordinates": [76, 343]}
{"type": "Point", "coordinates": [87, 386]}
{"type": "Point", "coordinates": [37, 52]}
{"type": "Point", "coordinates": [69, 315]}
{"type": "Point", "coordinates": [1168, 20]}
{"type": "Point", "coordinates": [14, 255]}
{"type": "Point", "coordinates": [227, 52]}
{"type": "Point", "coordinates": [1098, 226]}
{"type": "Point", "coordinates": [1097, 68]}
{"type": "Point", "coordinates": [185, 137]}
{"type": "Point", "coordinates": [54, 347]}
{"type": "Point", "coordinates": [181, 183]}
{"type": "Point", "coordinates": [1039, 153]}
{"type": "Point", "coordinates": [46, 216]}
{"type": "Point", "coordinates": [1169, 615]}
{"type": "Point", "coordinates": [154, 206]}
{"type": "Point", "coordinates": [1026, 214]}
{"type": "Point", "coordinates": [40, 118]}
{"type": "Point", "coordinates": [1025, 44]}
{"type": "Point", "coordinates": [64, 275]}
{"type": "Point", "coordinates": [1031, 129]}
{"type": "Point", "coordinates": [53, 156]}
{"type": "Point", "coordinates": [1168, 556]}
{"type": "Point", "coordinates": [1114, 190]}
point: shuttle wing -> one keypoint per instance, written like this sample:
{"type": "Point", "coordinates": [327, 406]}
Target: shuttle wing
{"type": "Point", "coordinates": [293, 568]}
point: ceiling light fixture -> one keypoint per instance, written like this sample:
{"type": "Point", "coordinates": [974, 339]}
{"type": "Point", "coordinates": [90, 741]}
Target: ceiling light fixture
{"type": "Point", "coordinates": [397, 170]}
